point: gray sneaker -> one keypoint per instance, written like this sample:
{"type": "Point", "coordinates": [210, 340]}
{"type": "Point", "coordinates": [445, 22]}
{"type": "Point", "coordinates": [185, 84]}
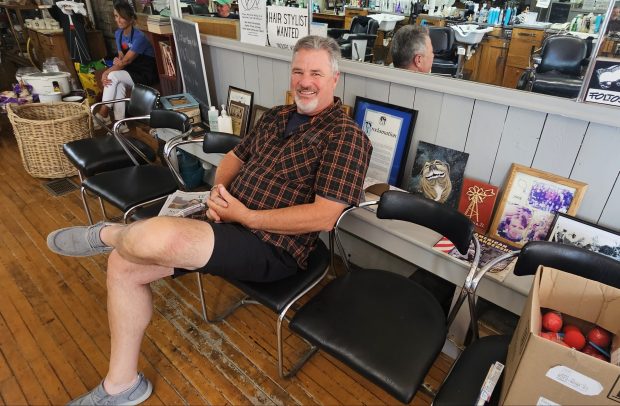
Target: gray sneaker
{"type": "Point", "coordinates": [80, 241]}
{"type": "Point", "coordinates": [132, 396]}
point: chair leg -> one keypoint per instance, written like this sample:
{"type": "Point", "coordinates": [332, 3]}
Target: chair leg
{"type": "Point", "coordinates": [103, 212]}
{"type": "Point", "coordinates": [86, 208]}
{"type": "Point", "coordinates": [302, 360]}
{"type": "Point", "coordinates": [473, 318]}
{"type": "Point", "coordinates": [332, 254]}
{"type": "Point", "coordinates": [205, 315]}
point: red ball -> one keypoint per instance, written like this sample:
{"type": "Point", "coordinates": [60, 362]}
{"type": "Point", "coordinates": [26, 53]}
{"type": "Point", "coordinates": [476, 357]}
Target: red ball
{"type": "Point", "coordinates": [552, 321]}
{"type": "Point", "coordinates": [600, 337]}
{"type": "Point", "coordinates": [569, 327]}
{"type": "Point", "coordinates": [574, 339]}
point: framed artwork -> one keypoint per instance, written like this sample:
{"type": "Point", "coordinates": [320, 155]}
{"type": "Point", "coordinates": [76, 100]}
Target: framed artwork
{"type": "Point", "coordinates": [477, 202]}
{"type": "Point", "coordinates": [240, 95]}
{"type": "Point", "coordinates": [257, 113]}
{"type": "Point", "coordinates": [437, 173]}
{"type": "Point", "coordinates": [389, 129]}
{"type": "Point", "coordinates": [570, 230]}
{"type": "Point", "coordinates": [239, 113]}
{"type": "Point", "coordinates": [529, 202]}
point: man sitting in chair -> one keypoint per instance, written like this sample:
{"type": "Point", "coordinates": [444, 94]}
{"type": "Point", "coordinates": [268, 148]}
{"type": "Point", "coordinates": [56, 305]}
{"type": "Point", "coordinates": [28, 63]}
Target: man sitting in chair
{"type": "Point", "coordinates": [289, 179]}
{"type": "Point", "coordinates": [412, 49]}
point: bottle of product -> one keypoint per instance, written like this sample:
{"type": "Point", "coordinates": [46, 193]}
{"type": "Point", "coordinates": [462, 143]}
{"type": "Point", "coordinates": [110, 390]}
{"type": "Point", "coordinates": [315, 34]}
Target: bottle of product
{"type": "Point", "coordinates": [224, 122]}
{"type": "Point", "coordinates": [213, 113]}
{"type": "Point", "coordinates": [597, 23]}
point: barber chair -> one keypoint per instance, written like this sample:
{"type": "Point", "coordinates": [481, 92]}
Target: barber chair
{"type": "Point", "coordinates": [104, 153]}
{"type": "Point", "coordinates": [462, 386]}
{"type": "Point", "coordinates": [444, 48]}
{"type": "Point", "coordinates": [138, 185]}
{"type": "Point", "coordinates": [385, 326]}
{"type": "Point", "coordinates": [558, 69]}
{"type": "Point", "coordinates": [362, 29]}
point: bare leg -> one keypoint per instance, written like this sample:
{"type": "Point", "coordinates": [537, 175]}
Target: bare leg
{"type": "Point", "coordinates": [145, 251]}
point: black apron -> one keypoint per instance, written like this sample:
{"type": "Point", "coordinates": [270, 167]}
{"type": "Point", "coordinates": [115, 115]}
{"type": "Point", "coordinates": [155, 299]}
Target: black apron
{"type": "Point", "coordinates": [143, 68]}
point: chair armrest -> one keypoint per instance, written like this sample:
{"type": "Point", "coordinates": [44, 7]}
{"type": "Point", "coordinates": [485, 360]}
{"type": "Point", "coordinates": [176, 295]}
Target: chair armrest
{"type": "Point", "coordinates": [92, 108]}
{"type": "Point", "coordinates": [171, 146]}
{"type": "Point", "coordinates": [343, 254]}
{"type": "Point", "coordinates": [128, 146]}
{"type": "Point", "coordinates": [361, 36]}
{"type": "Point", "coordinates": [476, 280]}
{"type": "Point", "coordinates": [537, 59]}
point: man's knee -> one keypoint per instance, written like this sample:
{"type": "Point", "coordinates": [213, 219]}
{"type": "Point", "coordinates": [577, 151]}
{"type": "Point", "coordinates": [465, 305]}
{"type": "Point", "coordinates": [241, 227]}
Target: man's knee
{"type": "Point", "coordinates": [119, 269]}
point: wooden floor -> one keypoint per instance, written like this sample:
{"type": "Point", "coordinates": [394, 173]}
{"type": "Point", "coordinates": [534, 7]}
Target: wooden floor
{"type": "Point", "coordinates": [54, 337]}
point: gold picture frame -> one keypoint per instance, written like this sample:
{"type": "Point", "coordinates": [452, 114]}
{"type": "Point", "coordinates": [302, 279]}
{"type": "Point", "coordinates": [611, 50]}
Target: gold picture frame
{"type": "Point", "coordinates": [529, 201]}
{"type": "Point", "coordinates": [239, 114]}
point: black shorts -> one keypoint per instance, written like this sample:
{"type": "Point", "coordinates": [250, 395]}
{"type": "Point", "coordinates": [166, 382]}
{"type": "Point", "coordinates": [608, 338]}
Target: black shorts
{"type": "Point", "coordinates": [240, 254]}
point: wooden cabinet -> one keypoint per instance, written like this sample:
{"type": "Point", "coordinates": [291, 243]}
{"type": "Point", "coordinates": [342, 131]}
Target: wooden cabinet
{"type": "Point", "coordinates": [488, 63]}
{"type": "Point", "coordinates": [523, 44]}
{"type": "Point", "coordinates": [432, 21]}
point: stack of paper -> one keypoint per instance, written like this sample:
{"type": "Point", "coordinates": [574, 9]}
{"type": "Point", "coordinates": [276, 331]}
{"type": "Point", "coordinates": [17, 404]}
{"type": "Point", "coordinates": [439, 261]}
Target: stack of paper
{"type": "Point", "coordinates": [159, 24]}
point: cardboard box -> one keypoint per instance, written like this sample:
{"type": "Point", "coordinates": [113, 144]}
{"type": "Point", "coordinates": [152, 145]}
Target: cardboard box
{"type": "Point", "coordinates": [539, 371]}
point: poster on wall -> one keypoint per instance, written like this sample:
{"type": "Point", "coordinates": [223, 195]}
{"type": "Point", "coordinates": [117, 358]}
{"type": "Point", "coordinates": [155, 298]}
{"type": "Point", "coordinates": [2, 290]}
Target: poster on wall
{"type": "Point", "coordinates": [285, 25]}
{"type": "Point", "coordinates": [604, 86]}
{"type": "Point", "coordinates": [252, 21]}
{"type": "Point", "coordinates": [389, 128]}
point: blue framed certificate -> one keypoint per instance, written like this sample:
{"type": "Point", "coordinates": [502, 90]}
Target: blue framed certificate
{"type": "Point", "coordinates": [389, 129]}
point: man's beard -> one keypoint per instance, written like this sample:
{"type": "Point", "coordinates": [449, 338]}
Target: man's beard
{"type": "Point", "coordinates": [306, 107]}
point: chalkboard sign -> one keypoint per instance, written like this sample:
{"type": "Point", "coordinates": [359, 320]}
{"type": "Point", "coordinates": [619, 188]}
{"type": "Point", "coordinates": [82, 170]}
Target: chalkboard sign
{"type": "Point", "coordinates": [559, 12]}
{"type": "Point", "coordinates": [191, 62]}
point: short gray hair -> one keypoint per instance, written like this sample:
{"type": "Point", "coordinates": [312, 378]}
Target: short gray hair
{"type": "Point", "coordinates": [408, 42]}
{"type": "Point", "coordinates": [314, 42]}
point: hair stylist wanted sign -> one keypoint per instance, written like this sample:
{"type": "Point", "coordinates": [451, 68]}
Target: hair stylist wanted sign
{"type": "Point", "coordinates": [285, 25]}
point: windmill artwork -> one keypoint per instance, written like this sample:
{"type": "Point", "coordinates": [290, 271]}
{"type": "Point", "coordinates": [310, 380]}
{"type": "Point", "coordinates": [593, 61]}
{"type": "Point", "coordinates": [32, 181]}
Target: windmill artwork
{"type": "Point", "coordinates": [477, 202]}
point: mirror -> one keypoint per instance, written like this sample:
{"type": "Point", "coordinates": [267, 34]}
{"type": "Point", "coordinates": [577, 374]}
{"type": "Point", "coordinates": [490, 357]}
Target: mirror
{"type": "Point", "coordinates": [509, 53]}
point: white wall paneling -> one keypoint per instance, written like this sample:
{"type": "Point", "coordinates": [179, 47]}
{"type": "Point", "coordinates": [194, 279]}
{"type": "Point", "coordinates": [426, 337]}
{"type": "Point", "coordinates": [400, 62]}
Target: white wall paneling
{"type": "Point", "coordinates": [454, 121]}
{"type": "Point", "coordinates": [520, 137]}
{"type": "Point", "coordinates": [559, 144]}
{"type": "Point", "coordinates": [485, 131]}
{"type": "Point", "coordinates": [598, 165]}
{"type": "Point", "coordinates": [496, 126]}
{"type": "Point", "coordinates": [265, 84]}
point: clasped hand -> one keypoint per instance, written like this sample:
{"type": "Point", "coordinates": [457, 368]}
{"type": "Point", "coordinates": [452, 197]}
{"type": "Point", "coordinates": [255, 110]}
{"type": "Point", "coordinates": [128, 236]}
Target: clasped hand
{"type": "Point", "coordinates": [223, 207]}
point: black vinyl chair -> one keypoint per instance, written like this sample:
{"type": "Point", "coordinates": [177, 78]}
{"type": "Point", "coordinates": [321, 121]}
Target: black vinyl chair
{"type": "Point", "coordinates": [278, 296]}
{"type": "Point", "coordinates": [558, 69]}
{"type": "Point", "coordinates": [104, 153]}
{"type": "Point", "coordinates": [362, 28]}
{"type": "Point", "coordinates": [138, 185]}
{"type": "Point", "coordinates": [444, 48]}
{"type": "Point", "coordinates": [462, 386]}
{"type": "Point", "coordinates": [385, 326]}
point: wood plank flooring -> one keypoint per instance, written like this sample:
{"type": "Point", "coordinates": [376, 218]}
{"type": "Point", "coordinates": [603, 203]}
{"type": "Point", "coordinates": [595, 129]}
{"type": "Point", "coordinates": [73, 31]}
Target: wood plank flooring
{"type": "Point", "coordinates": [54, 337]}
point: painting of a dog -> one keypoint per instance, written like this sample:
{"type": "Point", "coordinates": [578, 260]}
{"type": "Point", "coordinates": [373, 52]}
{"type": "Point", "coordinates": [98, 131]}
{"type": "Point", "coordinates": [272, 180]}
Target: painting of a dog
{"type": "Point", "coordinates": [437, 173]}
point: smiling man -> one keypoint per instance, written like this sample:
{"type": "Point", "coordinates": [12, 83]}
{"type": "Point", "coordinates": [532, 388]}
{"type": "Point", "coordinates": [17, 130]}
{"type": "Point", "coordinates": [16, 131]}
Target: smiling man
{"type": "Point", "coordinates": [289, 179]}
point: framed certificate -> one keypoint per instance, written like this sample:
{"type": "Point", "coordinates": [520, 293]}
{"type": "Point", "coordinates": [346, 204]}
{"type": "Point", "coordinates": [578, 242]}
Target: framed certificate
{"type": "Point", "coordinates": [389, 129]}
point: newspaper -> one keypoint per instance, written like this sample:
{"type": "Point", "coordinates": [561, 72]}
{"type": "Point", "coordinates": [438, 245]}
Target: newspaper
{"type": "Point", "coordinates": [185, 204]}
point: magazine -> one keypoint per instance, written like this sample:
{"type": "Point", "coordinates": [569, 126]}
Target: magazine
{"type": "Point", "coordinates": [489, 250]}
{"type": "Point", "coordinates": [185, 204]}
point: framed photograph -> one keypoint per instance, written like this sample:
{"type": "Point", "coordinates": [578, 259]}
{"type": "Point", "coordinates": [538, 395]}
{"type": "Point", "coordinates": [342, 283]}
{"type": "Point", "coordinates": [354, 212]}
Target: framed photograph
{"type": "Point", "coordinates": [437, 173]}
{"type": "Point", "coordinates": [570, 230]}
{"type": "Point", "coordinates": [239, 113]}
{"type": "Point", "coordinates": [529, 202]}
{"type": "Point", "coordinates": [240, 95]}
{"type": "Point", "coordinates": [477, 202]}
{"type": "Point", "coordinates": [389, 129]}
{"type": "Point", "coordinates": [257, 113]}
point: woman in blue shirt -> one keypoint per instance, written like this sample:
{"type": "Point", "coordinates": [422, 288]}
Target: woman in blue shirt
{"type": "Point", "coordinates": [135, 63]}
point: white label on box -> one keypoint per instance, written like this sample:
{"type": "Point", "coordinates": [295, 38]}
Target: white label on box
{"type": "Point", "coordinates": [542, 401]}
{"type": "Point", "coordinates": [575, 380]}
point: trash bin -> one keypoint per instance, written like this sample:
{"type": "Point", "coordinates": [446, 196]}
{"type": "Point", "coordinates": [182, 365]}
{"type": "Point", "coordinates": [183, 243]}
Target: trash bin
{"type": "Point", "coordinates": [41, 129]}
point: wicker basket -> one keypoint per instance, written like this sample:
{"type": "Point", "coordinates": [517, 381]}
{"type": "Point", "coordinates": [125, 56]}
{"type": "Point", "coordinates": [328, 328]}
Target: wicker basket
{"type": "Point", "coordinates": [42, 128]}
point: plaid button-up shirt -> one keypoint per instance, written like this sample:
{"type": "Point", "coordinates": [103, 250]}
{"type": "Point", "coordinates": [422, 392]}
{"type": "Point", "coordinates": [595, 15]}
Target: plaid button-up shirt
{"type": "Point", "coordinates": [326, 156]}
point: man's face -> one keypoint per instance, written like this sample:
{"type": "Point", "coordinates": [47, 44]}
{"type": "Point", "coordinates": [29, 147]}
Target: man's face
{"type": "Point", "coordinates": [312, 81]}
{"type": "Point", "coordinates": [424, 62]}
{"type": "Point", "coordinates": [222, 9]}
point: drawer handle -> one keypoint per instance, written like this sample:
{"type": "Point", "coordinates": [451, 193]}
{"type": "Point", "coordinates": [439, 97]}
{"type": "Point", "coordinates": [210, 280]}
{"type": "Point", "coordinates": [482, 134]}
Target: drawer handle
{"type": "Point", "coordinates": [525, 34]}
